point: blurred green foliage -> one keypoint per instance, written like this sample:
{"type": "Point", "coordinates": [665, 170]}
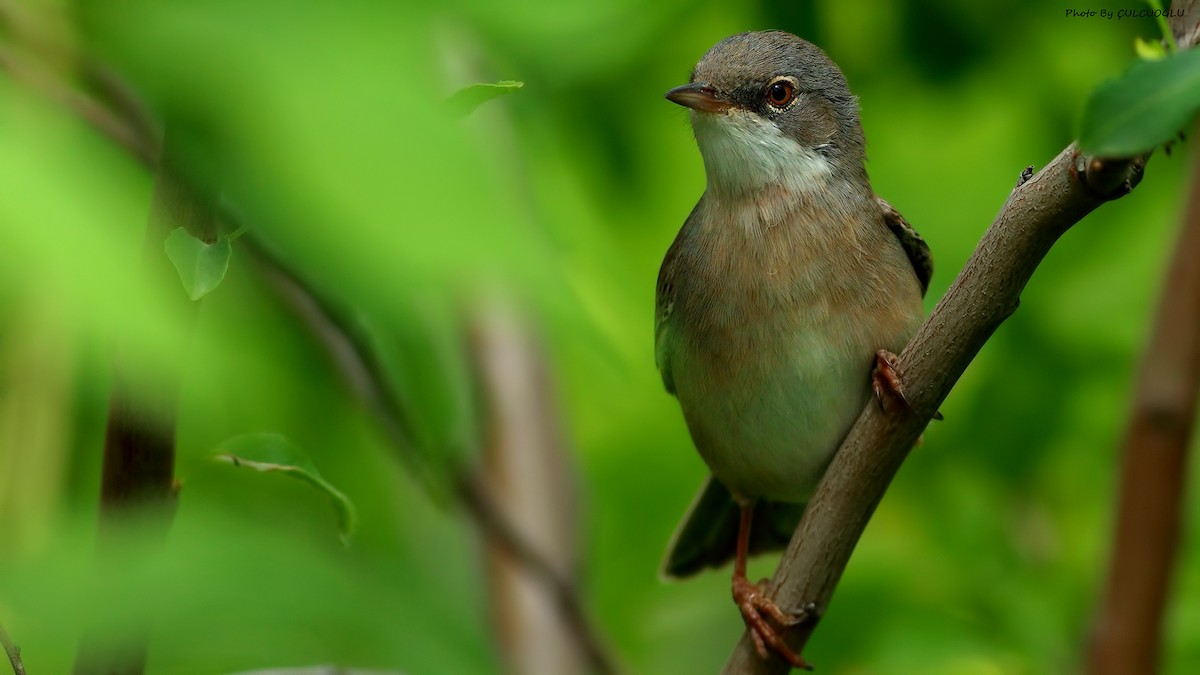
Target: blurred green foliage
{"type": "Point", "coordinates": [328, 129]}
{"type": "Point", "coordinates": [1150, 104]}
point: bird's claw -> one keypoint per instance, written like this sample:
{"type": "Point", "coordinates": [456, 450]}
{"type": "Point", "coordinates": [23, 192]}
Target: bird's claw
{"type": "Point", "coordinates": [756, 607]}
{"type": "Point", "coordinates": [887, 382]}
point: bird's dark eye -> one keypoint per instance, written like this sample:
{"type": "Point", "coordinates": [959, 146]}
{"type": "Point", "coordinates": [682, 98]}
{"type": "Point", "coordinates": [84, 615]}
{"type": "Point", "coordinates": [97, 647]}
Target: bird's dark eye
{"type": "Point", "coordinates": [780, 93]}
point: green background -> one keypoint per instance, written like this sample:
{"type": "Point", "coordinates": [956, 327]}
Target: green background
{"type": "Point", "coordinates": [328, 129]}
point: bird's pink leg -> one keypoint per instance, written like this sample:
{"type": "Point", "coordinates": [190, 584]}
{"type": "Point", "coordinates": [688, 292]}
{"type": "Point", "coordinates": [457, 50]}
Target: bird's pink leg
{"type": "Point", "coordinates": [755, 606]}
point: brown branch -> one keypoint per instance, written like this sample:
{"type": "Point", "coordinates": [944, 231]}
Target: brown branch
{"type": "Point", "coordinates": [1185, 22]}
{"type": "Point", "coordinates": [985, 293]}
{"type": "Point", "coordinates": [13, 651]}
{"type": "Point", "coordinates": [133, 126]}
{"type": "Point", "coordinates": [348, 348]}
{"type": "Point", "coordinates": [44, 81]}
{"type": "Point", "coordinates": [527, 480]}
{"type": "Point", "coordinates": [496, 528]}
{"type": "Point", "coordinates": [1127, 631]}
{"type": "Point", "coordinates": [541, 627]}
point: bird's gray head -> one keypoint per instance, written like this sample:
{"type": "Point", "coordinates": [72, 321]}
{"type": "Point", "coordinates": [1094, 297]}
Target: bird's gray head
{"type": "Point", "coordinates": [769, 108]}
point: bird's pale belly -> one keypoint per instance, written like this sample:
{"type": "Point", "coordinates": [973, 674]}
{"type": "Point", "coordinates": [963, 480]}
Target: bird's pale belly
{"type": "Point", "coordinates": [767, 420]}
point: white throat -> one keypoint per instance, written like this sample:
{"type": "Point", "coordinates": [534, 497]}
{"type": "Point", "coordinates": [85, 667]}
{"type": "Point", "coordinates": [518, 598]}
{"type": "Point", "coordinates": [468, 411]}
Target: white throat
{"type": "Point", "coordinates": [745, 153]}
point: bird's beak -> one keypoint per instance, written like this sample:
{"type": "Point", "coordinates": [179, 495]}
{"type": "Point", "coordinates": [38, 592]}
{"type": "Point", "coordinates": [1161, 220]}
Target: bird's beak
{"type": "Point", "coordinates": [698, 96]}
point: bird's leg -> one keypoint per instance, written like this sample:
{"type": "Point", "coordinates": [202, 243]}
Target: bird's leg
{"type": "Point", "coordinates": [886, 381]}
{"type": "Point", "coordinates": [755, 606]}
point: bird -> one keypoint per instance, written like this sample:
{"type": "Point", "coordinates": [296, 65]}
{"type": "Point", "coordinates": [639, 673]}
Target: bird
{"type": "Point", "coordinates": [781, 304]}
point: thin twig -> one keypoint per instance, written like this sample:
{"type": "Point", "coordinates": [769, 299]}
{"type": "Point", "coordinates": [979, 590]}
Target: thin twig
{"type": "Point", "coordinates": [347, 346]}
{"type": "Point", "coordinates": [46, 83]}
{"type": "Point", "coordinates": [356, 361]}
{"type": "Point", "coordinates": [13, 652]}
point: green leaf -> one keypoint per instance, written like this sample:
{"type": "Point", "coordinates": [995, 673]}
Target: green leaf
{"type": "Point", "coordinates": [201, 266]}
{"type": "Point", "coordinates": [1149, 50]}
{"type": "Point", "coordinates": [465, 101]}
{"type": "Point", "coordinates": [268, 452]}
{"type": "Point", "coordinates": [1143, 108]}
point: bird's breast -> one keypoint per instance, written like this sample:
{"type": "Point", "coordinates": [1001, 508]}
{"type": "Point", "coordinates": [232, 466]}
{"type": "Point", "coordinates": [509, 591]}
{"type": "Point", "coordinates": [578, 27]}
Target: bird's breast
{"type": "Point", "coordinates": [776, 320]}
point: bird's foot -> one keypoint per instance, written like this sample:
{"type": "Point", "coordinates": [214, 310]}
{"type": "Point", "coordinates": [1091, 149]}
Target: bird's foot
{"type": "Point", "coordinates": [756, 608]}
{"type": "Point", "coordinates": [887, 382]}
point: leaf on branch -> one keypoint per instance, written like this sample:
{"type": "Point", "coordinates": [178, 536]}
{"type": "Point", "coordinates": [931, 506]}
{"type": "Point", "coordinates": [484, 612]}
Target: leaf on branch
{"type": "Point", "coordinates": [464, 101]}
{"type": "Point", "coordinates": [268, 452]}
{"type": "Point", "coordinates": [1145, 107]}
{"type": "Point", "coordinates": [201, 266]}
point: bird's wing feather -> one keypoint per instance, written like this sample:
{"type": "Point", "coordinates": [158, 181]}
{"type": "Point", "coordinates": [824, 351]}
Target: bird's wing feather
{"type": "Point", "coordinates": [914, 246]}
{"type": "Point", "coordinates": [664, 303]}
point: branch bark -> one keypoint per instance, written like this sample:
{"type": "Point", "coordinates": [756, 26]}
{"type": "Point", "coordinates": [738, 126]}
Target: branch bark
{"type": "Point", "coordinates": [986, 292]}
{"type": "Point", "coordinates": [1127, 633]}
{"type": "Point", "coordinates": [530, 482]}
{"type": "Point", "coordinates": [13, 652]}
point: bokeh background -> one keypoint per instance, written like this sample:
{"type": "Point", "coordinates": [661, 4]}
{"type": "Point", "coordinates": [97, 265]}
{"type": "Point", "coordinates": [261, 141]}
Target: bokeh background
{"type": "Point", "coordinates": [326, 126]}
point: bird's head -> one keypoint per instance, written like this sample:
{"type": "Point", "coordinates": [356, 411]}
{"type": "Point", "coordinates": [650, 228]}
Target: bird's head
{"type": "Point", "coordinates": [769, 108]}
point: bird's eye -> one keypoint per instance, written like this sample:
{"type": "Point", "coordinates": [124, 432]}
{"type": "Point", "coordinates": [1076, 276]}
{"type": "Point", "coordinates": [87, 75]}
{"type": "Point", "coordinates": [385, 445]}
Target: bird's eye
{"type": "Point", "coordinates": [780, 93]}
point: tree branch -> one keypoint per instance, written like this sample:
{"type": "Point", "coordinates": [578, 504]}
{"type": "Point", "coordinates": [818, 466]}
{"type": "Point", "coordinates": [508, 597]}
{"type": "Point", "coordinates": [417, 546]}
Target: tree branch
{"type": "Point", "coordinates": [541, 627]}
{"type": "Point", "coordinates": [1127, 632]}
{"type": "Point", "coordinates": [48, 84]}
{"type": "Point", "coordinates": [985, 293]}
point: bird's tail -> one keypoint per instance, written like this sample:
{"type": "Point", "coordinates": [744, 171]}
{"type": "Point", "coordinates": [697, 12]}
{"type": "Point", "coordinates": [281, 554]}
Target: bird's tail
{"type": "Point", "coordinates": [707, 537]}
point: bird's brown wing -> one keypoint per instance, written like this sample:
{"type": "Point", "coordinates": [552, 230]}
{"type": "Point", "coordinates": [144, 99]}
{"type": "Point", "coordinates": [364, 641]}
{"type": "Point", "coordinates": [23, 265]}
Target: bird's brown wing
{"type": "Point", "coordinates": [664, 304]}
{"type": "Point", "coordinates": [918, 251]}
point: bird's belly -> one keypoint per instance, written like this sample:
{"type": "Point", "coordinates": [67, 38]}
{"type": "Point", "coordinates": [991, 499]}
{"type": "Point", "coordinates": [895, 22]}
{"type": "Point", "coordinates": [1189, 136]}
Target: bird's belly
{"type": "Point", "coordinates": [768, 405]}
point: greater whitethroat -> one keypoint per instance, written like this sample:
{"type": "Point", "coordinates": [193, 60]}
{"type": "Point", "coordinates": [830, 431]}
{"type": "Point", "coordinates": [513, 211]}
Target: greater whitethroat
{"type": "Point", "coordinates": [780, 305]}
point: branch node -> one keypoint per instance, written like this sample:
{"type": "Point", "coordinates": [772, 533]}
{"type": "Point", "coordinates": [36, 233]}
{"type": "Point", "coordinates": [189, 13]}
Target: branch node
{"type": "Point", "coordinates": [1107, 178]}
